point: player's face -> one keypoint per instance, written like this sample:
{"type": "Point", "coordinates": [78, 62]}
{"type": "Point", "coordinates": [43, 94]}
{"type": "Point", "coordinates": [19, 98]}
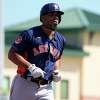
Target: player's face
{"type": "Point", "coordinates": [51, 20]}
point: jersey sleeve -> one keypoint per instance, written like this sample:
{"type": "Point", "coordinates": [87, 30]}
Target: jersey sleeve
{"type": "Point", "coordinates": [21, 42]}
{"type": "Point", "coordinates": [63, 45]}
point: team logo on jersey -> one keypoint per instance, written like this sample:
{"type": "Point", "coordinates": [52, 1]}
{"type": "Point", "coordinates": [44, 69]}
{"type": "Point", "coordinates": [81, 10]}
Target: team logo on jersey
{"type": "Point", "coordinates": [18, 40]}
{"type": "Point", "coordinates": [44, 49]}
{"type": "Point", "coordinates": [40, 49]}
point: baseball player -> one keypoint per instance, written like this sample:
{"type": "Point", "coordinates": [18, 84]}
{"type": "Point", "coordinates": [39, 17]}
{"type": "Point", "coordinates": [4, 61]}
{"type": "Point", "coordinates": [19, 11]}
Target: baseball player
{"type": "Point", "coordinates": [37, 52]}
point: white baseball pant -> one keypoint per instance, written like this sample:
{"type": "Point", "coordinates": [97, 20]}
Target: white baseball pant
{"type": "Point", "coordinates": [23, 89]}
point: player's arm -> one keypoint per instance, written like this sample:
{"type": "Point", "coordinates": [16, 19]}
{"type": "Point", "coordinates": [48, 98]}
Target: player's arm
{"type": "Point", "coordinates": [17, 58]}
{"type": "Point", "coordinates": [58, 64]}
{"type": "Point", "coordinates": [56, 73]}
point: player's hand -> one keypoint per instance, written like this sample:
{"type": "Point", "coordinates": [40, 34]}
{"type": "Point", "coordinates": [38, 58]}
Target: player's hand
{"type": "Point", "coordinates": [36, 71]}
{"type": "Point", "coordinates": [56, 76]}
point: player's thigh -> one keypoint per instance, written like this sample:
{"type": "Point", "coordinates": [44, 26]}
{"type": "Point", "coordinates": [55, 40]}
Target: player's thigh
{"type": "Point", "coordinates": [47, 94]}
{"type": "Point", "coordinates": [22, 89]}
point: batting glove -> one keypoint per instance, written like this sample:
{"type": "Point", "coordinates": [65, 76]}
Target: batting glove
{"type": "Point", "coordinates": [56, 76]}
{"type": "Point", "coordinates": [36, 71]}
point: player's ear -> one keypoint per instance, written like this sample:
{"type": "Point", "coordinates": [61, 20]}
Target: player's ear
{"type": "Point", "coordinates": [43, 18]}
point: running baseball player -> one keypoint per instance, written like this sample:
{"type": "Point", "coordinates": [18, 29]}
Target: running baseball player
{"type": "Point", "coordinates": [37, 52]}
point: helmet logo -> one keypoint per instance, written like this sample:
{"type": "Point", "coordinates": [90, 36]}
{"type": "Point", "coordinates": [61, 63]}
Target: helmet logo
{"type": "Point", "coordinates": [55, 6]}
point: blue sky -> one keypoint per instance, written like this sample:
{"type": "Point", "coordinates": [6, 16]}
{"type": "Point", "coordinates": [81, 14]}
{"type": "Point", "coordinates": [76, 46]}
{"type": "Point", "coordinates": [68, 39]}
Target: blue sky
{"type": "Point", "coordinates": [17, 11]}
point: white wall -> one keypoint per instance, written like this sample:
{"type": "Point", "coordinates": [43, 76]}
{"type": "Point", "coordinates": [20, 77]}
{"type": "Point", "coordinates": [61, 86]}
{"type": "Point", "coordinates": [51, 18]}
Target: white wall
{"type": "Point", "coordinates": [91, 72]}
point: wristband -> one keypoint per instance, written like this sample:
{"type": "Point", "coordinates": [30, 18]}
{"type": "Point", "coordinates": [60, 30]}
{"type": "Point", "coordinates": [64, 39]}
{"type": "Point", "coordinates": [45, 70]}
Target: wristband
{"type": "Point", "coordinates": [31, 67]}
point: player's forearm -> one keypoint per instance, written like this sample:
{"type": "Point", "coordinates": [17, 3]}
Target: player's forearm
{"type": "Point", "coordinates": [17, 59]}
{"type": "Point", "coordinates": [56, 73]}
{"type": "Point", "coordinates": [58, 64]}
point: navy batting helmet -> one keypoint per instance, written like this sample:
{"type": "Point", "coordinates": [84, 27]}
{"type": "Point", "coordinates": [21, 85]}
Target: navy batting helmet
{"type": "Point", "coordinates": [51, 7]}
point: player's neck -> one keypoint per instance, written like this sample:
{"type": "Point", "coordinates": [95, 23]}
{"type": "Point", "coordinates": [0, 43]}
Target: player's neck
{"type": "Point", "coordinates": [49, 32]}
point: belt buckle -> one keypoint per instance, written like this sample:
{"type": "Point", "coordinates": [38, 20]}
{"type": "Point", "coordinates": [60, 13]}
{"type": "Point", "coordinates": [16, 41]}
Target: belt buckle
{"type": "Point", "coordinates": [43, 82]}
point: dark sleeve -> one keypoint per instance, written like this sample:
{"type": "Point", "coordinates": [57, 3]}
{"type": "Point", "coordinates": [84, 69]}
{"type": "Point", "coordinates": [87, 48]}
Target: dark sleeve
{"type": "Point", "coordinates": [21, 42]}
{"type": "Point", "coordinates": [63, 45]}
{"type": "Point", "coordinates": [64, 42]}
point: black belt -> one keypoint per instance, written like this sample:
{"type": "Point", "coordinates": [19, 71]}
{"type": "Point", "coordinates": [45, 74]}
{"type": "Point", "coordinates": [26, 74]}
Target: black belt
{"type": "Point", "coordinates": [39, 80]}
